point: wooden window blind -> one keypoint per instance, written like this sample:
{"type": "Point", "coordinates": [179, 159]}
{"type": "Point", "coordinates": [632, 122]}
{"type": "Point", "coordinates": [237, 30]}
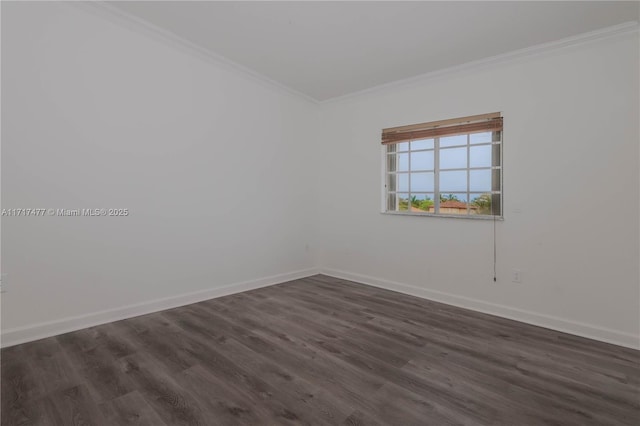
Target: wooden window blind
{"type": "Point", "coordinates": [456, 126]}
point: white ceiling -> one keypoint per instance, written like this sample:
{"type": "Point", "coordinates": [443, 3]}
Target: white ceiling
{"type": "Point", "coordinates": [329, 49]}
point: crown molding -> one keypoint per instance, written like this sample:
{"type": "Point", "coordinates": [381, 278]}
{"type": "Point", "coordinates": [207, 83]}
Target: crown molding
{"type": "Point", "coordinates": [626, 28]}
{"type": "Point", "coordinates": [132, 22]}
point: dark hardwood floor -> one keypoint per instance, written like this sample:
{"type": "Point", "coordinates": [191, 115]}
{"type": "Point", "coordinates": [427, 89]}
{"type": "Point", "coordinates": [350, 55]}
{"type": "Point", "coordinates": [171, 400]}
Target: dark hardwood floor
{"type": "Point", "coordinates": [319, 351]}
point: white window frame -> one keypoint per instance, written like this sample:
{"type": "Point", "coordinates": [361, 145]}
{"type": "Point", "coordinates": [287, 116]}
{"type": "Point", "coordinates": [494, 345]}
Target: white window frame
{"type": "Point", "coordinates": [436, 193]}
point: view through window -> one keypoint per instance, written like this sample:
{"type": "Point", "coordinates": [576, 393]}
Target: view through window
{"type": "Point", "coordinates": [445, 168]}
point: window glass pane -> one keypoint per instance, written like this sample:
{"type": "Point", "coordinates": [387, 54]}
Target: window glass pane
{"type": "Point", "coordinates": [496, 155]}
{"type": "Point", "coordinates": [422, 160]}
{"type": "Point", "coordinates": [404, 146]}
{"type": "Point", "coordinates": [391, 182]}
{"type": "Point", "coordinates": [422, 203]}
{"type": "Point", "coordinates": [453, 158]}
{"type": "Point", "coordinates": [480, 180]}
{"type": "Point", "coordinates": [403, 201]}
{"type": "Point", "coordinates": [480, 204]}
{"type": "Point", "coordinates": [480, 156]}
{"type": "Point", "coordinates": [403, 182]}
{"type": "Point", "coordinates": [495, 180]}
{"type": "Point", "coordinates": [422, 182]}
{"type": "Point", "coordinates": [453, 140]}
{"type": "Point", "coordinates": [453, 196]}
{"type": "Point", "coordinates": [496, 204]}
{"type": "Point", "coordinates": [453, 181]}
{"type": "Point", "coordinates": [391, 163]}
{"type": "Point", "coordinates": [403, 162]}
{"type": "Point", "coordinates": [422, 144]}
{"type": "Point", "coordinates": [391, 202]}
{"type": "Point", "coordinates": [480, 137]}
{"type": "Point", "coordinates": [453, 204]}
{"type": "Point", "coordinates": [391, 148]}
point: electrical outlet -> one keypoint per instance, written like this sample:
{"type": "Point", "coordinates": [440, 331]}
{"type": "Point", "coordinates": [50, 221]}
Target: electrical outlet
{"type": "Point", "coordinates": [516, 276]}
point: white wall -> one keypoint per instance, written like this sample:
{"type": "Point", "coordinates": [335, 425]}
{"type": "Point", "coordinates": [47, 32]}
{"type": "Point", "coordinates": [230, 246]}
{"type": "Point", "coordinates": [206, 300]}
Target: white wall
{"type": "Point", "coordinates": [224, 190]}
{"type": "Point", "coordinates": [209, 162]}
{"type": "Point", "coordinates": [570, 166]}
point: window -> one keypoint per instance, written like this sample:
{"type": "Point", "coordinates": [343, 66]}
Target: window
{"type": "Point", "coordinates": [445, 168]}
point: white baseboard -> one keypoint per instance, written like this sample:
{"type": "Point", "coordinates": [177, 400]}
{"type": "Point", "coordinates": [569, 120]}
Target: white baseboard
{"type": "Point", "coordinates": [18, 335]}
{"type": "Point", "coordinates": [560, 324]}
{"type": "Point", "coordinates": [15, 336]}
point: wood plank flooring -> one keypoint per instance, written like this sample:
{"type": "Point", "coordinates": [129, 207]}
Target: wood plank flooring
{"type": "Point", "coordinates": [319, 351]}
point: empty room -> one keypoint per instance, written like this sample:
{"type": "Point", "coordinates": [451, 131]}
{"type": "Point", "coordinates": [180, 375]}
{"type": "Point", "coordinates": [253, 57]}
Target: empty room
{"type": "Point", "coordinates": [320, 213]}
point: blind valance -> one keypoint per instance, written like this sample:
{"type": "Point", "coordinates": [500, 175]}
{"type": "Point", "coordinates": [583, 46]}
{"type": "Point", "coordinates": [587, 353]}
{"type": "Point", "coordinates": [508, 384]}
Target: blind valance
{"type": "Point", "coordinates": [456, 126]}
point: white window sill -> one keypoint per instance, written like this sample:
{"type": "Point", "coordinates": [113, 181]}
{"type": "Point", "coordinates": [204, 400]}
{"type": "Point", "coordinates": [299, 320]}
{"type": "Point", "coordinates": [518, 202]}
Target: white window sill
{"type": "Point", "coordinates": [450, 216]}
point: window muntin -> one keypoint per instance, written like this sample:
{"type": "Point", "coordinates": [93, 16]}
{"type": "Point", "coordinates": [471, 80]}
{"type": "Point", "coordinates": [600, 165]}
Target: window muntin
{"type": "Point", "coordinates": [450, 175]}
